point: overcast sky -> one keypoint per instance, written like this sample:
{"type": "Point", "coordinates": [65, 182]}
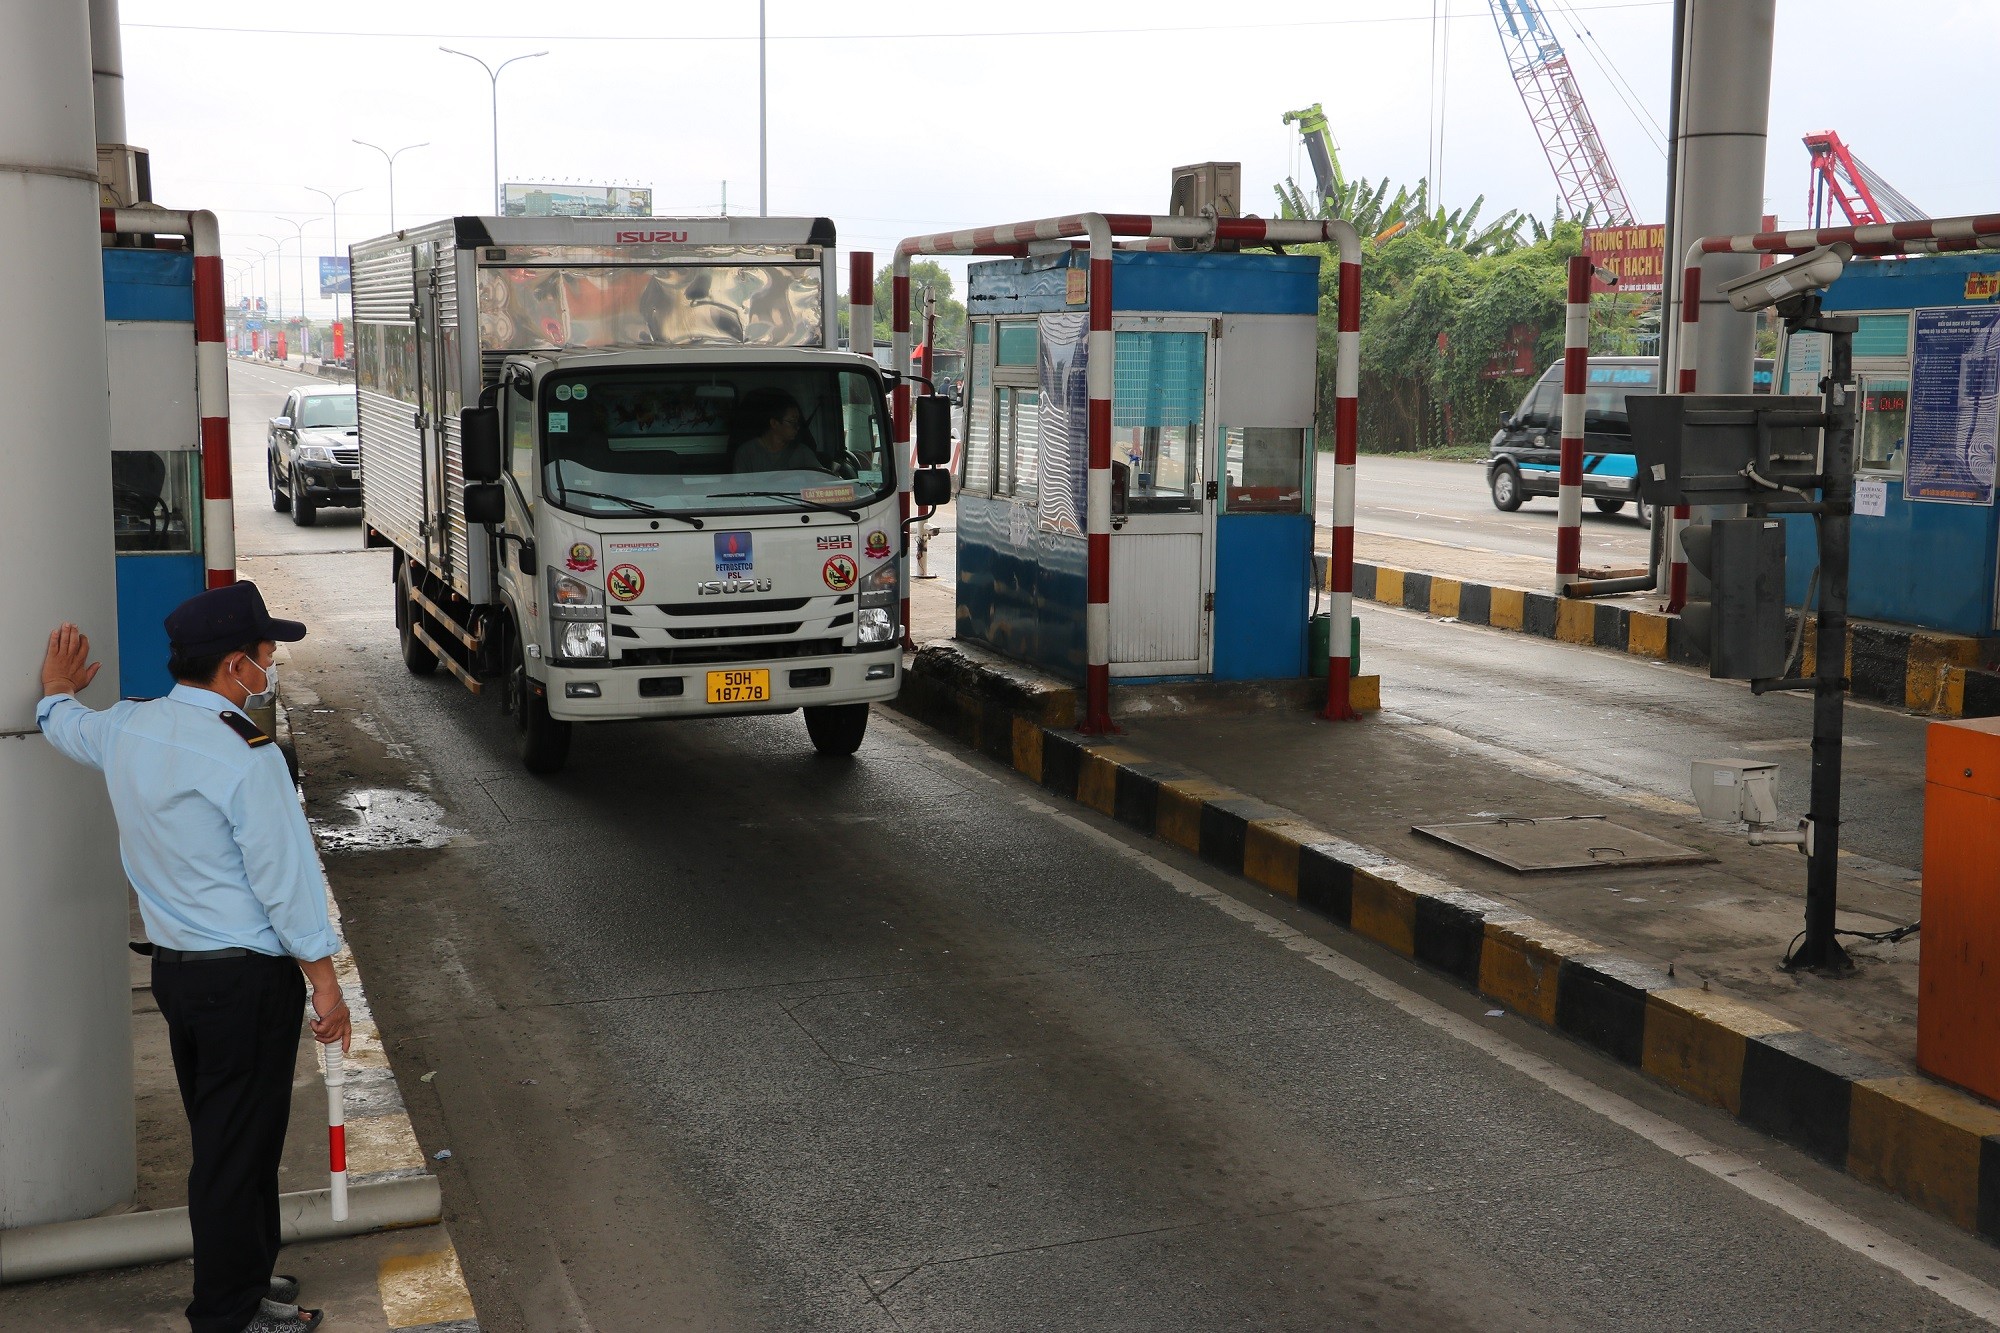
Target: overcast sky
{"type": "Point", "coordinates": [901, 118]}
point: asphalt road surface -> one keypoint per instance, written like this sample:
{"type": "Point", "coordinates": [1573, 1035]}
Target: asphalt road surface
{"type": "Point", "coordinates": [724, 1035]}
{"type": "Point", "coordinates": [1448, 502]}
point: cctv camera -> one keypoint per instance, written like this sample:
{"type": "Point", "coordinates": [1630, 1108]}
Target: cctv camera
{"type": "Point", "coordinates": [1809, 272]}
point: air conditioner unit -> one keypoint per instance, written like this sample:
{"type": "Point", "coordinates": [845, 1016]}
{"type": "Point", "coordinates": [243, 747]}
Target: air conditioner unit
{"type": "Point", "coordinates": [124, 176]}
{"type": "Point", "coordinates": [1207, 189]}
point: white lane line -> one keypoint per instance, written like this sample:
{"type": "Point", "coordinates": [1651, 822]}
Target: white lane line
{"type": "Point", "coordinates": [1843, 1228]}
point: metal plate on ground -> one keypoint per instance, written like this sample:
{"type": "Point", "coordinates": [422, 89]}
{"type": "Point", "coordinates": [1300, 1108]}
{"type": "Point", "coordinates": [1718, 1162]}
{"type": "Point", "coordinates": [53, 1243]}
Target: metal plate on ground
{"type": "Point", "coordinates": [1560, 842]}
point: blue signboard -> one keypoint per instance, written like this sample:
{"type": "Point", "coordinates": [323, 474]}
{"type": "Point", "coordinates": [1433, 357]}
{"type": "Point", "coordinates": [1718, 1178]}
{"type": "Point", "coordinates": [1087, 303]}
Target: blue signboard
{"type": "Point", "coordinates": [333, 278]}
{"type": "Point", "coordinates": [1954, 421]}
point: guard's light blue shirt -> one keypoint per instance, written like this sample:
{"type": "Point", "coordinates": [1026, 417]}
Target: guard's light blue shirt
{"type": "Point", "coordinates": [209, 828]}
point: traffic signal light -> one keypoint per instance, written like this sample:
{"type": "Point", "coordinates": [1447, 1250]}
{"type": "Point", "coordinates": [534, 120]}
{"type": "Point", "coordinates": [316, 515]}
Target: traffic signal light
{"type": "Point", "coordinates": [1741, 628]}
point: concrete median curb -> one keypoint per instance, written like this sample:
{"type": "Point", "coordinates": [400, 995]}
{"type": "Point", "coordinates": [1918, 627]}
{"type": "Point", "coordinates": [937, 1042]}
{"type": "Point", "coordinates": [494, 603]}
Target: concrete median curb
{"type": "Point", "coordinates": [1936, 674]}
{"type": "Point", "coordinates": [1936, 1147]}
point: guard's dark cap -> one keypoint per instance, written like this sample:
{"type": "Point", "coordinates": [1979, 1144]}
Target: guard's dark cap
{"type": "Point", "coordinates": [224, 619]}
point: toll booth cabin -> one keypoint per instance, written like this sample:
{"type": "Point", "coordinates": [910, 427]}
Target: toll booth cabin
{"type": "Point", "coordinates": [1212, 463]}
{"type": "Point", "coordinates": [1925, 536]}
{"type": "Point", "coordinates": [155, 453]}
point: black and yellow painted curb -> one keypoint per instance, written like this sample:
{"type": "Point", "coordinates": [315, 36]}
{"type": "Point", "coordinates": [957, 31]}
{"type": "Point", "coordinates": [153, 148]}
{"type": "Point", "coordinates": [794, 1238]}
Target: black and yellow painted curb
{"type": "Point", "coordinates": [1936, 1147]}
{"type": "Point", "coordinates": [1925, 672]}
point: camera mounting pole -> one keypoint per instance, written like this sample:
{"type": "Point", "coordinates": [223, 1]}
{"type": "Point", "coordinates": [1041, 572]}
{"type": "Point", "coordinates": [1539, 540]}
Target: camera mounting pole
{"type": "Point", "coordinates": [1820, 951]}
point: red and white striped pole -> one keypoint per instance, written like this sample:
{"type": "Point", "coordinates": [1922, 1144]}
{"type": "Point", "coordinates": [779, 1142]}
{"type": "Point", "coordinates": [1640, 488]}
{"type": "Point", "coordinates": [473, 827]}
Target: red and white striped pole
{"type": "Point", "coordinates": [899, 356]}
{"type": "Point", "coordinates": [1685, 376]}
{"type": "Point", "coordinates": [211, 360]}
{"type": "Point", "coordinates": [1100, 374]}
{"type": "Point", "coordinates": [1569, 467]}
{"type": "Point", "coordinates": [1346, 444]}
{"type": "Point", "coordinates": [336, 1126]}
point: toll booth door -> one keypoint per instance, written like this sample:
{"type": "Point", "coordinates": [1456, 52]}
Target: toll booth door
{"type": "Point", "coordinates": [1163, 494]}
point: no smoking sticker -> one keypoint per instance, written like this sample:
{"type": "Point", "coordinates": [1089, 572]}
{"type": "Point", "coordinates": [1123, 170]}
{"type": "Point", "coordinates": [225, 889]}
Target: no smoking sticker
{"type": "Point", "coordinates": [839, 573]}
{"type": "Point", "coordinates": [624, 582]}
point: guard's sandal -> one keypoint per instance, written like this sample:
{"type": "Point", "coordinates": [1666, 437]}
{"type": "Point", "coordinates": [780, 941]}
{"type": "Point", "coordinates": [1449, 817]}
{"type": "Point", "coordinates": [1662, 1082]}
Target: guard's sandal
{"type": "Point", "coordinates": [275, 1318]}
{"type": "Point", "coordinates": [284, 1289]}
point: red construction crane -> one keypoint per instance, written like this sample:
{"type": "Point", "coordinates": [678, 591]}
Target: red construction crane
{"type": "Point", "coordinates": [1840, 177]}
{"type": "Point", "coordinates": [1555, 105]}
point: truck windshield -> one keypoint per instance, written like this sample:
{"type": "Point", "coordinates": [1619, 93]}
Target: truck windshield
{"type": "Point", "coordinates": [695, 439]}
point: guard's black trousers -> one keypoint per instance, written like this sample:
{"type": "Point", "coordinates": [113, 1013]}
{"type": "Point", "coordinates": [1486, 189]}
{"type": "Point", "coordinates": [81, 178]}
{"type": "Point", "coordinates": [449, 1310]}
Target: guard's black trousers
{"type": "Point", "coordinates": [234, 1027]}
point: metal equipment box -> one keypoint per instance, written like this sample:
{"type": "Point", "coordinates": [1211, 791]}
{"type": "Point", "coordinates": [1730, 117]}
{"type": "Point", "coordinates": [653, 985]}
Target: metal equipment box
{"type": "Point", "coordinates": [1958, 971]}
{"type": "Point", "coordinates": [1724, 448]}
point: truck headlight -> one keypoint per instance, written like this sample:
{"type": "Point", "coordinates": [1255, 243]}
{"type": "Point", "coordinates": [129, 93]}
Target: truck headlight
{"type": "Point", "coordinates": [582, 638]}
{"type": "Point", "coordinates": [315, 453]}
{"type": "Point", "coordinates": [882, 587]}
{"type": "Point", "coordinates": [875, 624]}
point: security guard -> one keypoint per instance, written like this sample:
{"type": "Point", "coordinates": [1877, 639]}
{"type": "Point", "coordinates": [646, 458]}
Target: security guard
{"type": "Point", "coordinates": [234, 902]}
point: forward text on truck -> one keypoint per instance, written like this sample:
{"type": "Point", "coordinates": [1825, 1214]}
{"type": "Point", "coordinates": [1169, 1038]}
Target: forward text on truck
{"type": "Point", "coordinates": [627, 473]}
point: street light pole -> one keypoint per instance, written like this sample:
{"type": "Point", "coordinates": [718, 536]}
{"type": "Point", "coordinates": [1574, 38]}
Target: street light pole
{"type": "Point", "coordinates": [333, 211]}
{"type": "Point", "coordinates": [390, 158]}
{"type": "Point", "coordinates": [299, 229]}
{"type": "Point", "coordinates": [493, 78]}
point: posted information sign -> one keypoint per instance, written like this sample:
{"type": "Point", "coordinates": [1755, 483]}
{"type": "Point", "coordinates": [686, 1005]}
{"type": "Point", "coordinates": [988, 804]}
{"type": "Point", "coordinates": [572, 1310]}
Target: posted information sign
{"type": "Point", "coordinates": [1635, 255]}
{"type": "Point", "coordinates": [1954, 420]}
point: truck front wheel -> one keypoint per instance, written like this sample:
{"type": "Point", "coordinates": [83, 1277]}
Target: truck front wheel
{"type": "Point", "coordinates": [540, 740]}
{"type": "Point", "coordinates": [416, 656]}
{"type": "Point", "coordinates": [837, 729]}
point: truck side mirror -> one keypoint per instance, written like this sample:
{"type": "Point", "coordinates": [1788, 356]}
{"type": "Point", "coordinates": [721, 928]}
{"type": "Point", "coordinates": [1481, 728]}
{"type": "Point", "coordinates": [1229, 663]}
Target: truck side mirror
{"type": "Point", "coordinates": [485, 502]}
{"type": "Point", "coordinates": [930, 487]}
{"type": "Point", "coordinates": [933, 431]}
{"type": "Point", "coordinates": [479, 443]}
{"type": "Point", "coordinates": [281, 423]}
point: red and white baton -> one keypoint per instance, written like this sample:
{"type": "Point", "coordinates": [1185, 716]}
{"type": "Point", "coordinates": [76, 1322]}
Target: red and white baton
{"type": "Point", "coordinates": [336, 1126]}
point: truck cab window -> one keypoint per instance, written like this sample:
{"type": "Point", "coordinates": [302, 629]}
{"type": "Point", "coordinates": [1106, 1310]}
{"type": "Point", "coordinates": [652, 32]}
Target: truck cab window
{"type": "Point", "coordinates": [517, 437]}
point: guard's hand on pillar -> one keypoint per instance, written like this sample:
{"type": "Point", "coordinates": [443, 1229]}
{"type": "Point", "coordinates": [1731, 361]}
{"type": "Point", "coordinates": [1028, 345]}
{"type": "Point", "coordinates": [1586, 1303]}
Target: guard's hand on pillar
{"type": "Point", "coordinates": [66, 666]}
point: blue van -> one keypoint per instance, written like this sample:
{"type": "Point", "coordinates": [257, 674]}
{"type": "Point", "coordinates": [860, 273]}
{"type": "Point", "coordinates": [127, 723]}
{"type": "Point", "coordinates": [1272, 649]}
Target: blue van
{"type": "Point", "coordinates": [1523, 457]}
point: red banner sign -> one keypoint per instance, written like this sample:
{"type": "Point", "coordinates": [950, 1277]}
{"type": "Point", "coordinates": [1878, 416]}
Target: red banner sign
{"type": "Point", "coordinates": [1635, 255]}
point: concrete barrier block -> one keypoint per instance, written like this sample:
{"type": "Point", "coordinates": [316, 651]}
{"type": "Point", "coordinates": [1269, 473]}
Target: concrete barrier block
{"type": "Point", "coordinates": [1388, 588]}
{"type": "Point", "coordinates": [1384, 911]}
{"type": "Point", "coordinates": [1028, 749]}
{"type": "Point", "coordinates": [1445, 596]}
{"type": "Point", "coordinates": [1646, 635]}
{"type": "Point", "coordinates": [1364, 694]}
{"type": "Point", "coordinates": [1509, 609]}
{"type": "Point", "coordinates": [1521, 962]}
{"type": "Point", "coordinates": [1695, 1039]}
{"type": "Point", "coordinates": [1326, 882]}
{"type": "Point", "coordinates": [1922, 1141]}
{"type": "Point", "coordinates": [1601, 1000]}
{"type": "Point", "coordinates": [1271, 849]}
{"type": "Point", "coordinates": [1576, 621]}
{"type": "Point", "coordinates": [1797, 1087]}
{"type": "Point", "coordinates": [1177, 812]}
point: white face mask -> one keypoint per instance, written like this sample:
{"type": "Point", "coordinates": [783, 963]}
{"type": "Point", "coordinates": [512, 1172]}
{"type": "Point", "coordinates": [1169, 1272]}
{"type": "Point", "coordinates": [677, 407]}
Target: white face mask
{"type": "Point", "coordinates": [264, 697]}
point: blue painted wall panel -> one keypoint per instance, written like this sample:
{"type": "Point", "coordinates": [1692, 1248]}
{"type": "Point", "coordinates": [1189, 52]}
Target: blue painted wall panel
{"type": "Point", "coordinates": [149, 284]}
{"type": "Point", "coordinates": [1223, 284]}
{"type": "Point", "coordinates": [149, 586]}
{"type": "Point", "coordinates": [1263, 588]}
{"type": "Point", "coordinates": [1918, 564]}
{"type": "Point", "coordinates": [1024, 599]}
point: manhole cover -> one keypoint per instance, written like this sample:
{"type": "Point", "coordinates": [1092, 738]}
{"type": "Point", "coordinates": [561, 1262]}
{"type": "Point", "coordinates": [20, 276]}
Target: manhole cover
{"type": "Point", "coordinates": [1560, 842]}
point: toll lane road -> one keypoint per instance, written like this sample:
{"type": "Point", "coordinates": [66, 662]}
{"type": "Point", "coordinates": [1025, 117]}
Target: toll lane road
{"type": "Point", "coordinates": [256, 392]}
{"type": "Point", "coordinates": [721, 1034]}
{"type": "Point", "coordinates": [1447, 503]}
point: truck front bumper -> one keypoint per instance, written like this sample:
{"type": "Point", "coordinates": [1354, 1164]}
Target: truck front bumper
{"type": "Point", "coordinates": [328, 485]}
{"type": "Point", "coordinates": [623, 692]}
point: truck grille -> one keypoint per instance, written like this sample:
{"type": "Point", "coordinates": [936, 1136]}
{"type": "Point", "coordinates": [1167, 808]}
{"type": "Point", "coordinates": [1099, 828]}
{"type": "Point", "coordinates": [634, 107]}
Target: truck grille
{"type": "Point", "coordinates": [348, 455]}
{"type": "Point", "coordinates": [734, 631]}
{"type": "Point", "coordinates": [729, 652]}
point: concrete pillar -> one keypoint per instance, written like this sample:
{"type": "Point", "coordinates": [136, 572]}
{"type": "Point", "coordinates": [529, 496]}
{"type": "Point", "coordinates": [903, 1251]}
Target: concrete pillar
{"type": "Point", "coordinates": [107, 71]}
{"type": "Point", "coordinates": [1724, 113]}
{"type": "Point", "coordinates": [66, 1147]}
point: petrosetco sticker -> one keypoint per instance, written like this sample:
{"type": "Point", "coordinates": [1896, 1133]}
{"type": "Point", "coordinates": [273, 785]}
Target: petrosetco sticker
{"type": "Point", "coordinates": [624, 582]}
{"type": "Point", "coordinates": [582, 558]}
{"type": "Point", "coordinates": [732, 553]}
{"type": "Point", "coordinates": [839, 573]}
{"type": "Point", "coordinates": [878, 544]}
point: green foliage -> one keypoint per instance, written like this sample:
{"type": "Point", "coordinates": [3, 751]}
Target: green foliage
{"type": "Point", "coordinates": [1441, 298]}
{"type": "Point", "coordinates": [925, 274]}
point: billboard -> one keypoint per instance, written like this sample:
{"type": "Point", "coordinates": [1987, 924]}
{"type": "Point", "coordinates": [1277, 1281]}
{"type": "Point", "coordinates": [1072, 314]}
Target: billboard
{"type": "Point", "coordinates": [1954, 421]}
{"type": "Point", "coordinates": [576, 201]}
{"type": "Point", "coordinates": [333, 277]}
{"type": "Point", "coordinates": [1635, 255]}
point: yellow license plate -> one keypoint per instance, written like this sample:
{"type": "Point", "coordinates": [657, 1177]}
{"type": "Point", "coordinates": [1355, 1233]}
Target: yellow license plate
{"type": "Point", "coordinates": [739, 687]}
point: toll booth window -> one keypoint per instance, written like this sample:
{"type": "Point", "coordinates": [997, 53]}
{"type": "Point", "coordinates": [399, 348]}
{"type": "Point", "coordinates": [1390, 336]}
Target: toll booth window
{"type": "Point", "coordinates": [1019, 440]}
{"type": "Point", "coordinates": [1020, 343]}
{"type": "Point", "coordinates": [155, 501]}
{"type": "Point", "coordinates": [1158, 401]}
{"type": "Point", "coordinates": [977, 457]}
{"type": "Point", "coordinates": [1265, 467]}
{"type": "Point", "coordinates": [1885, 415]}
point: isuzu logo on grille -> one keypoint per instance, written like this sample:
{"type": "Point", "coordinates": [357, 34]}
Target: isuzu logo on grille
{"type": "Point", "coordinates": [724, 587]}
